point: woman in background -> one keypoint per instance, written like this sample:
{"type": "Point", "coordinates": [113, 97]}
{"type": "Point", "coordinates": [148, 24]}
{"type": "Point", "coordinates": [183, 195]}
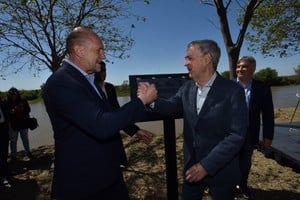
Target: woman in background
{"type": "Point", "coordinates": [19, 110]}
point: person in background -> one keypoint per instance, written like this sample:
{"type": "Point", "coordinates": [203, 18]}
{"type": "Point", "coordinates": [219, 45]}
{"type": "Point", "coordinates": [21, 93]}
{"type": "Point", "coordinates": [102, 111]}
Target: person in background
{"type": "Point", "coordinates": [19, 110]}
{"type": "Point", "coordinates": [4, 142]}
{"type": "Point", "coordinates": [260, 109]}
{"type": "Point", "coordinates": [215, 123]}
{"type": "Point", "coordinates": [88, 145]}
{"type": "Point", "coordinates": [110, 93]}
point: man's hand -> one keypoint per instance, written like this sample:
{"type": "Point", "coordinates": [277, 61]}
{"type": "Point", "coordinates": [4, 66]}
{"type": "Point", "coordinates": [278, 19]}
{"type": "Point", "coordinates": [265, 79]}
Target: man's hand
{"type": "Point", "coordinates": [144, 136]}
{"type": "Point", "coordinates": [195, 173]}
{"type": "Point", "coordinates": [267, 143]}
{"type": "Point", "coordinates": [147, 92]}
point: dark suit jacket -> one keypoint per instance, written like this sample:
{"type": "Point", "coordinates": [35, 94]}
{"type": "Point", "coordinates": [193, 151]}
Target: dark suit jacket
{"type": "Point", "coordinates": [5, 110]}
{"type": "Point", "coordinates": [4, 140]}
{"type": "Point", "coordinates": [261, 110]}
{"type": "Point", "coordinates": [88, 146]}
{"type": "Point", "coordinates": [113, 100]}
{"type": "Point", "coordinates": [215, 136]}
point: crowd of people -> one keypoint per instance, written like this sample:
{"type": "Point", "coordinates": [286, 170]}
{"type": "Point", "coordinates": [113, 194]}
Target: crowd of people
{"type": "Point", "coordinates": [222, 119]}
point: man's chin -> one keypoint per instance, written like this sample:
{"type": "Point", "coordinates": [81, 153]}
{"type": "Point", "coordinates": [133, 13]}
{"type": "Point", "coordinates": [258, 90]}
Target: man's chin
{"type": "Point", "coordinates": [98, 68]}
{"type": "Point", "coordinates": [191, 76]}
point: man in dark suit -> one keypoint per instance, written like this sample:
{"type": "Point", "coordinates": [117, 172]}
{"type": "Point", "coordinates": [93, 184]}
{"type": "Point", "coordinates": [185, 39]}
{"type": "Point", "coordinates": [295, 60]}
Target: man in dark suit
{"type": "Point", "coordinates": [88, 145]}
{"type": "Point", "coordinates": [110, 92]}
{"type": "Point", "coordinates": [260, 107]}
{"type": "Point", "coordinates": [111, 95]}
{"type": "Point", "coordinates": [4, 142]}
{"type": "Point", "coordinates": [215, 122]}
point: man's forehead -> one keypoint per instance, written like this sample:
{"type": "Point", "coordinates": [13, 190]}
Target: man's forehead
{"type": "Point", "coordinates": [244, 63]}
{"type": "Point", "coordinates": [192, 50]}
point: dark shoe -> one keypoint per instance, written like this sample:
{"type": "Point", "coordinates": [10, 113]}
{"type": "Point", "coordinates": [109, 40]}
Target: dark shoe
{"type": "Point", "coordinates": [244, 192]}
{"type": "Point", "coordinates": [5, 183]}
{"type": "Point", "coordinates": [29, 155]}
{"type": "Point", "coordinates": [13, 159]}
{"type": "Point", "coordinates": [246, 196]}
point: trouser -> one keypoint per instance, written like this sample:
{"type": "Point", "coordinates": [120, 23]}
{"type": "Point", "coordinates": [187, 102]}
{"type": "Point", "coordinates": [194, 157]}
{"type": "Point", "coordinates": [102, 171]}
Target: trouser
{"type": "Point", "coordinates": [117, 191]}
{"type": "Point", "coordinates": [13, 137]}
{"type": "Point", "coordinates": [4, 143]}
{"type": "Point", "coordinates": [195, 191]}
{"type": "Point", "coordinates": [245, 163]}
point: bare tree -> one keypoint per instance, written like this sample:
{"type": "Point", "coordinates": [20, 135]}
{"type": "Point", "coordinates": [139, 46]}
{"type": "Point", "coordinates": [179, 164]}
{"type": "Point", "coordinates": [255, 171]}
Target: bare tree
{"type": "Point", "coordinates": [233, 48]}
{"type": "Point", "coordinates": [33, 32]}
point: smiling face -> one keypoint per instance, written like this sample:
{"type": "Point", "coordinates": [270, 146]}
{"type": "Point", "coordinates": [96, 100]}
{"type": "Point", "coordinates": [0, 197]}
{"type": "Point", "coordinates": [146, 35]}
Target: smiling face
{"type": "Point", "coordinates": [245, 70]}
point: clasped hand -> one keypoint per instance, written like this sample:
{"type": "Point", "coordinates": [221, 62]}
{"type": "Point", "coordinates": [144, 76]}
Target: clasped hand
{"type": "Point", "coordinates": [195, 173]}
{"type": "Point", "coordinates": [146, 92]}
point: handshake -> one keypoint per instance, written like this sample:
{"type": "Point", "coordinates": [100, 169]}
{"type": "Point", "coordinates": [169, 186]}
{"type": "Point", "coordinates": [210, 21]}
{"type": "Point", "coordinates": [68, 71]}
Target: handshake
{"type": "Point", "coordinates": [147, 92]}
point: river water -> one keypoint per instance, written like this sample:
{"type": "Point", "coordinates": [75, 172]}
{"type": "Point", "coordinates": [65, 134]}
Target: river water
{"type": "Point", "coordinates": [282, 97]}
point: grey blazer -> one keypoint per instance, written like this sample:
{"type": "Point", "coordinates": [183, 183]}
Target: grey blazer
{"type": "Point", "coordinates": [215, 136]}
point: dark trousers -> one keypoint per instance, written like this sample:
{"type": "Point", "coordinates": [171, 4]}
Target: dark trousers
{"type": "Point", "coordinates": [116, 191]}
{"type": "Point", "coordinates": [195, 191]}
{"type": "Point", "coordinates": [245, 163]}
{"type": "Point", "coordinates": [4, 143]}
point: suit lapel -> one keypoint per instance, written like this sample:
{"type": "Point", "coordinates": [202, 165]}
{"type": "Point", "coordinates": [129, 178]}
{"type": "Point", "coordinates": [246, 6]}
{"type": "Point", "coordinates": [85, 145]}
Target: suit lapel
{"type": "Point", "coordinates": [81, 79]}
{"type": "Point", "coordinates": [211, 98]}
{"type": "Point", "coordinates": [193, 98]}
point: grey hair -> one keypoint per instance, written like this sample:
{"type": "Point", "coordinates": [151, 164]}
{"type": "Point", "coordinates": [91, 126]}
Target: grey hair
{"type": "Point", "coordinates": [250, 59]}
{"type": "Point", "coordinates": [208, 46]}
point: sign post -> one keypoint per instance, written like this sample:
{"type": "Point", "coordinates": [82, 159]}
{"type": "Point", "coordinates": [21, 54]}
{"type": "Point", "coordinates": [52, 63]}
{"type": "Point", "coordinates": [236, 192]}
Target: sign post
{"type": "Point", "coordinates": [166, 85]}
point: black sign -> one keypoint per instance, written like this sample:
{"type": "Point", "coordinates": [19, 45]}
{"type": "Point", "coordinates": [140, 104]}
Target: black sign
{"type": "Point", "coordinates": [166, 84]}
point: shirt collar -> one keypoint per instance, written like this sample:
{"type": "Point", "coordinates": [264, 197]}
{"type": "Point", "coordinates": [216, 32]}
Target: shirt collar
{"type": "Point", "coordinates": [247, 86]}
{"type": "Point", "coordinates": [76, 67]}
{"type": "Point", "coordinates": [90, 77]}
{"type": "Point", "coordinates": [209, 82]}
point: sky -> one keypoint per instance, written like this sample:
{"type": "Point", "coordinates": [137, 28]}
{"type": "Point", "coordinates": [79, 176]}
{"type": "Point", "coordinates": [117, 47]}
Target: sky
{"type": "Point", "coordinates": [160, 45]}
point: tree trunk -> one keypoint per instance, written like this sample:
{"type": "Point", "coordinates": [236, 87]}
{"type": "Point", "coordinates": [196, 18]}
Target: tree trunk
{"type": "Point", "coordinates": [233, 56]}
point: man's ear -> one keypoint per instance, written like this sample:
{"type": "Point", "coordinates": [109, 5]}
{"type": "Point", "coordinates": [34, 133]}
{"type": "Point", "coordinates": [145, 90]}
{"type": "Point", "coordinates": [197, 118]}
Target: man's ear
{"type": "Point", "coordinates": [208, 58]}
{"type": "Point", "coordinates": [79, 50]}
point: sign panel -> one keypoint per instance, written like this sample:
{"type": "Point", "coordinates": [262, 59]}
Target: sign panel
{"type": "Point", "coordinates": [166, 84]}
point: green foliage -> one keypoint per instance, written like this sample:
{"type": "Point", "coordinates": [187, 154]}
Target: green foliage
{"type": "Point", "coordinates": [226, 74]}
{"type": "Point", "coordinates": [276, 28]}
{"type": "Point", "coordinates": [123, 90]}
{"type": "Point", "coordinates": [289, 80]}
{"type": "Point", "coordinates": [268, 76]}
{"type": "Point", "coordinates": [297, 72]}
{"type": "Point", "coordinates": [30, 94]}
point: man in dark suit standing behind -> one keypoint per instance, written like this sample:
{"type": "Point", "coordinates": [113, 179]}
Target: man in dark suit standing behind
{"type": "Point", "coordinates": [111, 95]}
{"type": "Point", "coordinates": [88, 145]}
{"type": "Point", "coordinates": [215, 124]}
{"type": "Point", "coordinates": [4, 143]}
{"type": "Point", "coordinates": [260, 107]}
{"type": "Point", "coordinates": [110, 92]}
